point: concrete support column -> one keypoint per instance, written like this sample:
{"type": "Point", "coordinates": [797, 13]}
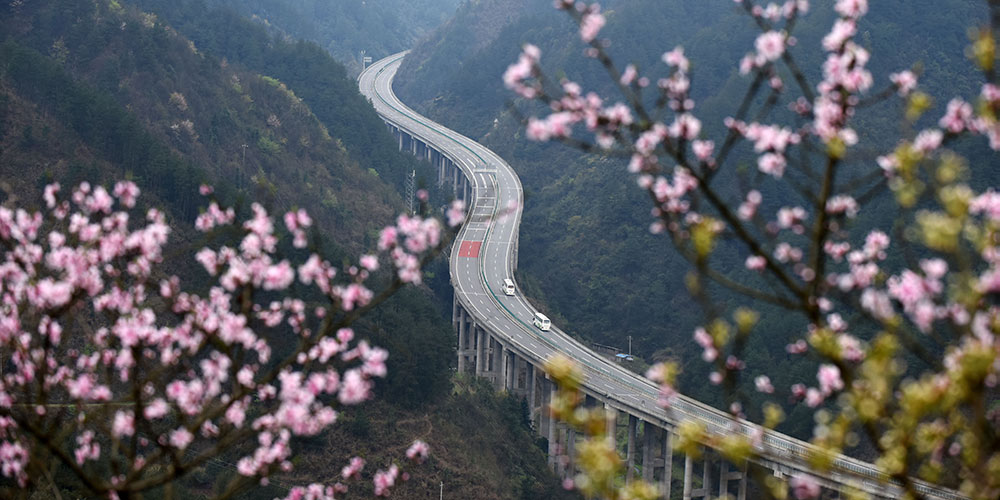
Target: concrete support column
{"type": "Point", "coordinates": [741, 493]}
{"type": "Point", "coordinates": [461, 340]}
{"type": "Point", "coordinates": [552, 424]}
{"type": "Point", "coordinates": [461, 347]}
{"type": "Point", "coordinates": [648, 442]}
{"type": "Point", "coordinates": [480, 351]}
{"type": "Point", "coordinates": [723, 478]}
{"type": "Point", "coordinates": [454, 311]}
{"type": "Point", "coordinates": [454, 180]}
{"type": "Point", "coordinates": [503, 368]}
{"type": "Point", "coordinates": [531, 393]}
{"type": "Point", "coordinates": [633, 423]}
{"type": "Point", "coordinates": [611, 421]}
{"type": "Point", "coordinates": [726, 475]}
{"type": "Point", "coordinates": [706, 479]}
{"type": "Point", "coordinates": [400, 135]}
{"type": "Point", "coordinates": [494, 369]}
{"type": "Point", "coordinates": [513, 371]}
{"type": "Point", "coordinates": [611, 429]}
{"type": "Point", "coordinates": [668, 462]}
{"type": "Point", "coordinates": [686, 492]}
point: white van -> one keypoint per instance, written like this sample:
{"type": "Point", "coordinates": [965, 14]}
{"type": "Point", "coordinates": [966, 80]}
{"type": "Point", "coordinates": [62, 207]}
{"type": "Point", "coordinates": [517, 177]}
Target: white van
{"type": "Point", "coordinates": [542, 322]}
{"type": "Point", "coordinates": [508, 286]}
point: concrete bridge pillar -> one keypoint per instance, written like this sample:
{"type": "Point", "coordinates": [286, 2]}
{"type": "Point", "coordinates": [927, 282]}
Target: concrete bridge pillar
{"type": "Point", "coordinates": [504, 369]}
{"type": "Point", "coordinates": [686, 492]}
{"type": "Point", "coordinates": [668, 462]}
{"type": "Point", "coordinates": [726, 475]}
{"type": "Point", "coordinates": [454, 180]}
{"type": "Point", "coordinates": [551, 392]}
{"type": "Point", "coordinates": [633, 423]}
{"type": "Point", "coordinates": [706, 480]}
{"type": "Point", "coordinates": [480, 351]}
{"type": "Point", "coordinates": [400, 135]}
{"type": "Point", "coordinates": [611, 423]}
{"type": "Point", "coordinates": [531, 394]}
{"type": "Point", "coordinates": [648, 444]}
{"type": "Point", "coordinates": [461, 341]}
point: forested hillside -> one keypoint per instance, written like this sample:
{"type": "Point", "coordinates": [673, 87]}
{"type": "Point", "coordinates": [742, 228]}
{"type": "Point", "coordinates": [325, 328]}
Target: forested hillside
{"type": "Point", "coordinates": [173, 95]}
{"type": "Point", "coordinates": [586, 252]}
{"type": "Point", "coordinates": [344, 28]}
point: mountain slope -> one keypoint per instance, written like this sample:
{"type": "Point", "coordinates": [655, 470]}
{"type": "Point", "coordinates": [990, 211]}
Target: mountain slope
{"type": "Point", "coordinates": [97, 90]}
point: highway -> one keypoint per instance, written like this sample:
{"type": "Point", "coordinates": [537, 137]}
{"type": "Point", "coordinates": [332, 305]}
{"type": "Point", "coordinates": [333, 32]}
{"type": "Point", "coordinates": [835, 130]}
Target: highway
{"type": "Point", "coordinates": [492, 228]}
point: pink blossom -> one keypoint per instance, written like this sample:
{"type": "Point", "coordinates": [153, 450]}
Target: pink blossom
{"type": "Point", "coordinates": [763, 384]}
{"type": "Point", "coordinates": [842, 204]}
{"type": "Point", "coordinates": [591, 24]}
{"type": "Point", "coordinates": [355, 388]}
{"type": "Point", "coordinates": [124, 424]}
{"type": "Point", "coordinates": [770, 45]}
{"type": "Point", "coordinates": [797, 347]}
{"type": "Point", "coordinates": [353, 469]}
{"type": "Point", "coordinates": [418, 451]}
{"type": "Point", "coordinates": [705, 341]}
{"type": "Point", "coordinates": [927, 140]}
{"type": "Point", "coordinates": [814, 397]}
{"type": "Point", "coordinates": [516, 73]}
{"type": "Point", "coordinates": [126, 192]}
{"type": "Point", "coordinates": [155, 409]}
{"type": "Point", "coordinates": [50, 195]}
{"type": "Point", "coordinates": [686, 126]}
{"type": "Point", "coordinates": [957, 116]}
{"type": "Point", "coordinates": [703, 149]}
{"type": "Point", "coordinates": [804, 487]}
{"type": "Point", "coordinates": [456, 213]}
{"type": "Point", "coordinates": [772, 164]}
{"type": "Point", "coordinates": [756, 263]}
{"type": "Point", "coordinates": [748, 208]}
{"type": "Point", "coordinates": [829, 379]}
{"type": "Point", "coordinates": [628, 76]}
{"type": "Point", "coordinates": [875, 244]}
{"type": "Point", "coordinates": [905, 82]}
{"type": "Point", "coordinates": [676, 58]}
{"type": "Point", "coordinates": [851, 8]}
{"type": "Point", "coordinates": [384, 480]}
{"type": "Point", "coordinates": [180, 438]}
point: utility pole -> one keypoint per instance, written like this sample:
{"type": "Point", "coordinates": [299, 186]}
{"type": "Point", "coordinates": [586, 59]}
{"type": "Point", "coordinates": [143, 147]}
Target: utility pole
{"type": "Point", "coordinates": [629, 345]}
{"type": "Point", "coordinates": [442, 491]}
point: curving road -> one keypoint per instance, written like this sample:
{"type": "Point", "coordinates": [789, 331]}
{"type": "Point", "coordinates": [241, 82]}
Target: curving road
{"type": "Point", "coordinates": [492, 229]}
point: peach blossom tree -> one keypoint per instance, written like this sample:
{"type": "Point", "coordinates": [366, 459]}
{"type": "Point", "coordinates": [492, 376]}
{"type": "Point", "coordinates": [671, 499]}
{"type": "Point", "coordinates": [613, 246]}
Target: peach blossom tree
{"type": "Point", "coordinates": [124, 376]}
{"type": "Point", "coordinates": [801, 249]}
